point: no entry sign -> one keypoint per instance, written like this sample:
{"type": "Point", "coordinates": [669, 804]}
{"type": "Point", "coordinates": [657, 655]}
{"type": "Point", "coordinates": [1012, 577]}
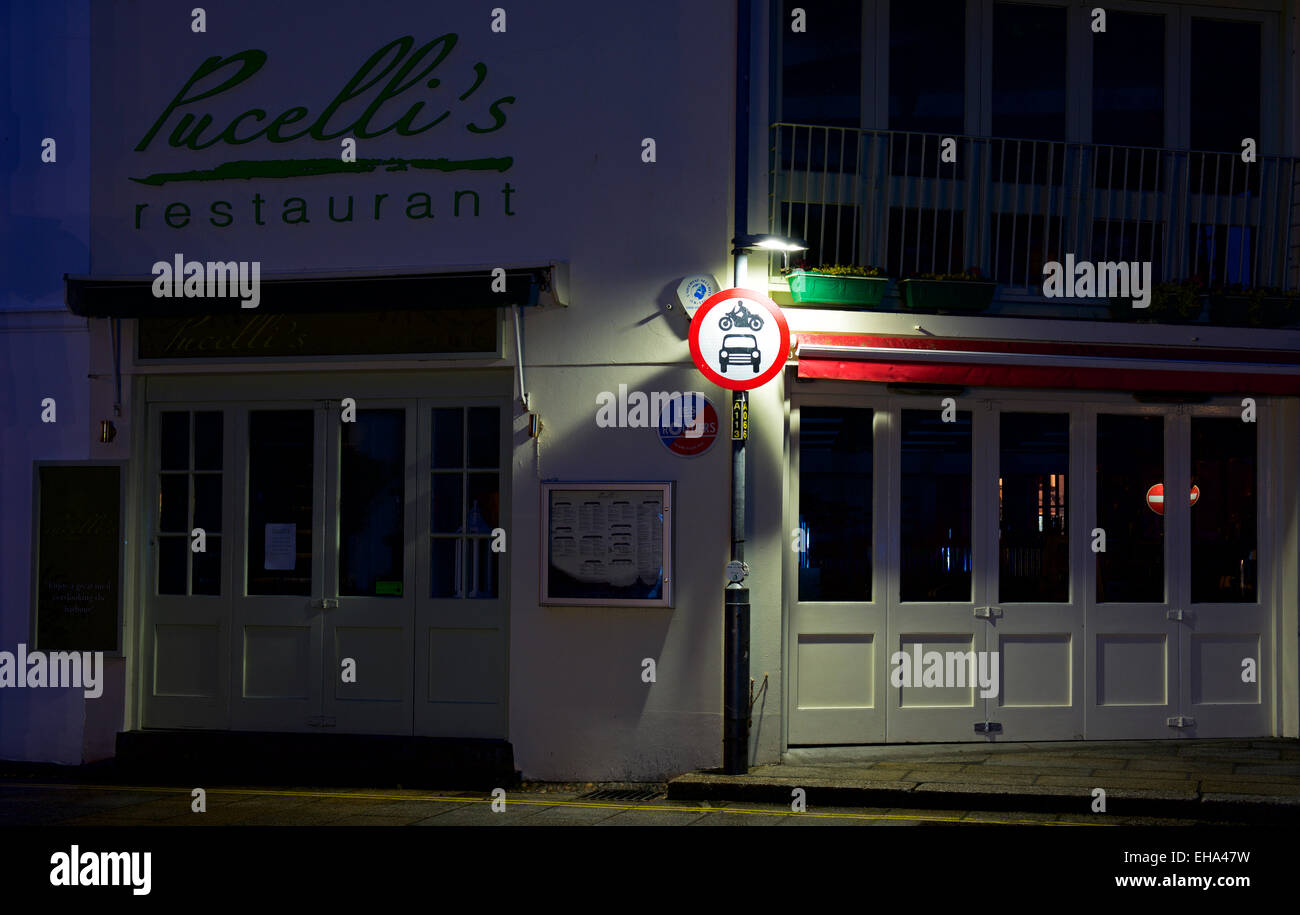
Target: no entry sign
{"type": "Point", "coordinates": [1156, 497]}
{"type": "Point", "coordinates": [739, 339]}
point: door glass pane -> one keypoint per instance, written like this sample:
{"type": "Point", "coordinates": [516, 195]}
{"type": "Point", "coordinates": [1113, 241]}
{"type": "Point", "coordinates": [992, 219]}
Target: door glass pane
{"type": "Point", "coordinates": [484, 440]}
{"type": "Point", "coordinates": [484, 512]}
{"type": "Point", "coordinates": [207, 569]}
{"type": "Point", "coordinates": [372, 485]}
{"type": "Point", "coordinates": [174, 503]}
{"type": "Point", "coordinates": [835, 466]}
{"type": "Point", "coordinates": [207, 502]}
{"type": "Point", "coordinates": [480, 572]}
{"type": "Point", "coordinates": [935, 516]}
{"type": "Point", "coordinates": [281, 449]}
{"type": "Point", "coordinates": [1224, 515]}
{"type": "Point", "coordinates": [173, 554]}
{"type": "Point", "coordinates": [1034, 535]}
{"type": "Point", "coordinates": [1130, 460]}
{"type": "Point", "coordinates": [207, 440]}
{"type": "Point", "coordinates": [448, 437]}
{"type": "Point", "coordinates": [175, 435]}
{"type": "Point", "coordinates": [446, 508]}
{"type": "Point", "coordinates": [444, 580]}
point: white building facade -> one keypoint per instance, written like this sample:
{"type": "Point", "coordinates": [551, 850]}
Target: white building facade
{"type": "Point", "coordinates": [444, 301]}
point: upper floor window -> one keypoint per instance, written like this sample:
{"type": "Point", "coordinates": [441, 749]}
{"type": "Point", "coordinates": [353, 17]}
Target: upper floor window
{"type": "Point", "coordinates": [927, 65]}
{"type": "Point", "coordinates": [1029, 56]}
{"type": "Point", "coordinates": [1128, 80]}
{"type": "Point", "coordinates": [821, 67]}
{"type": "Point", "coordinates": [1225, 89]}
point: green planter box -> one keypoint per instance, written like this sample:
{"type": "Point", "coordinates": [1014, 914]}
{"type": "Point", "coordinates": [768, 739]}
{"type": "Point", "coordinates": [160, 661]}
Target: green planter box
{"type": "Point", "coordinates": [1249, 311]}
{"type": "Point", "coordinates": [819, 289]}
{"type": "Point", "coordinates": [948, 295]}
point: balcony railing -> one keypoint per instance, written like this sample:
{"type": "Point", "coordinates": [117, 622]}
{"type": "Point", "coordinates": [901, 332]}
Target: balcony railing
{"type": "Point", "coordinates": [928, 203]}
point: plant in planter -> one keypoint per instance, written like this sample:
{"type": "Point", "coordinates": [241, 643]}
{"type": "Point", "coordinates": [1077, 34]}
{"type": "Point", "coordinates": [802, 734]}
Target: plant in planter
{"type": "Point", "coordinates": [1171, 303]}
{"type": "Point", "coordinates": [836, 284]}
{"type": "Point", "coordinates": [965, 291]}
{"type": "Point", "coordinates": [1253, 306]}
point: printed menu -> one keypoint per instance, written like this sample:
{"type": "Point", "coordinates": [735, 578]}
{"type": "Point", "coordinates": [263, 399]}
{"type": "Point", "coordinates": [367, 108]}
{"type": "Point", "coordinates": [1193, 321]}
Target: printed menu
{"type": "Point", "coordinates": [606, 543]}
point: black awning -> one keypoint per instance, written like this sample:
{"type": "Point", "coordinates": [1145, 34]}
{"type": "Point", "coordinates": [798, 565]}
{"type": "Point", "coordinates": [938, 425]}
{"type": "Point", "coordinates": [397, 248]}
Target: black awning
{"type": "Point", "coordinates": [133, 297]}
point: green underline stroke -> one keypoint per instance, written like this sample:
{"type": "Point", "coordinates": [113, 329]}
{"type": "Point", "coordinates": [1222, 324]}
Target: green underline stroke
{"type": "Point", "coordinates": [297, 168]}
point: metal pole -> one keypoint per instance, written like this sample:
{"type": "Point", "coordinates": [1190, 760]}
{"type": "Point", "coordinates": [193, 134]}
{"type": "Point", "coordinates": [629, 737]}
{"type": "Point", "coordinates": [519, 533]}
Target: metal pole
{"type": "Point", "coordinates": [735, 689]}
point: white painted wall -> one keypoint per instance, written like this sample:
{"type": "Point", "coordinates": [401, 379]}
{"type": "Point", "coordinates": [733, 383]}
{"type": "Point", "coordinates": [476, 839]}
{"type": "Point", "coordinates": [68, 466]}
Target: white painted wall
{"type": "Point", "coordinates": [590, 85]}
{"type": "Point", "coordinates": [44, 355]}
{"type": "Point", "coordinates": [44, 232]}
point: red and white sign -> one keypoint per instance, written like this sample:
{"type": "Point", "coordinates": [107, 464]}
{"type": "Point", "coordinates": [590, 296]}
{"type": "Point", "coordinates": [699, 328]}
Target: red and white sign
{"type": "Point", "coordinates": [739, 339]}
{"type": "Point", "coordinates": [1156, 497]}
{"type": "Point", "coordinates": [676, 438]}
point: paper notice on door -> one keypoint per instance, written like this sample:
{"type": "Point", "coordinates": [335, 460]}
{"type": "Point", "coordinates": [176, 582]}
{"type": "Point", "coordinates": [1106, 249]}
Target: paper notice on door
{"type": "Point", "coordinates": [281, 549]}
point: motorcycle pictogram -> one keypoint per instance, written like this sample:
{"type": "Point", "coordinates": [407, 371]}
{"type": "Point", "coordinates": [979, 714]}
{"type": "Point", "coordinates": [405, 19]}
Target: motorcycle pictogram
{"type": "Point", "coordinates": [740, 316]}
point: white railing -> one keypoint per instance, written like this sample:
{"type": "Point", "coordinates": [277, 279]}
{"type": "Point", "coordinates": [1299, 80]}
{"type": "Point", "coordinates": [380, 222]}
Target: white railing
{"type": "Point", "coordinates": [928, 203]}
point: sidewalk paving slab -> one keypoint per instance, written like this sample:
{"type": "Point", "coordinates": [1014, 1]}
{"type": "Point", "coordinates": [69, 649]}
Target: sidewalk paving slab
{"type": "Point", "coordinates": [1233, 780]}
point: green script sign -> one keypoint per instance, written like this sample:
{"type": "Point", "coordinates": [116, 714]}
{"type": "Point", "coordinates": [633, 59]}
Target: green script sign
{"type": "Point", "coordinates": [394, 70]}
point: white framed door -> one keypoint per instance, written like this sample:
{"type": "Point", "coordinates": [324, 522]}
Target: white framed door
{"type": "Point", "coordinates": [1225, 652]}
{"type": "Point", "coordinates": [1141, 623]}
{"type": "Point", "coordinates": [368, 593]}
{"type": "Point", "coordinates": [936, 554]}
{"type": "Point", "coordinates": [277, 636]}
{"type": "Point", "coordinates": [1031, 577]}
{"type": "Point", "coordinates": [461, 641]}
{"type": "Point", "coordinates": [388, 557]}
{"type": "Point", "coordinates": [191, 474]}
{"type": "Point", "coordinates": [837, 580]}
{"type": "Point", "coordinates": [1130, 597]}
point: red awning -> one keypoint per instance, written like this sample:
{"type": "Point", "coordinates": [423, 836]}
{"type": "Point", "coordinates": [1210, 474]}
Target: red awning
{"type": "Point", "coordinates": [1034, 364]}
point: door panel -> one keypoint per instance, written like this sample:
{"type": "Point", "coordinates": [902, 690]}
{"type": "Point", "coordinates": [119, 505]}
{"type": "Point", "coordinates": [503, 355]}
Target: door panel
{"type": "Point", "coordinates": [278, 628]}
{"type": "Point", "coordinates": [1038, 529]}
{"type": "Point", "coordinates": [838, 674]}
{"type": "Point", "coordinates": [1227, 617]}
{"type": "Point", "coordinates": [188, 593]}
{"type": "Point", "coordinates": [937, 555]}
{"type": "Point", "coordinates": [1132, 651]}
{"type": "Point", "coordinates": [461, 602]}
{"type": "Point", "coordinates": [370, 533]}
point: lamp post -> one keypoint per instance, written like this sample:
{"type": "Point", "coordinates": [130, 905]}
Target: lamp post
{"type": "Point", "coordinates": [735, 703]}
{"type": "Point", "coordinates": [735, 689]}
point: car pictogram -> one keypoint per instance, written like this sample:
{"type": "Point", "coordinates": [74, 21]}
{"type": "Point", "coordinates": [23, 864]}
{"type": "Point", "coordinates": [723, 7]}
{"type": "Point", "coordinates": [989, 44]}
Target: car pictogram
{"type": "Point", "coordinates": [739, 348]}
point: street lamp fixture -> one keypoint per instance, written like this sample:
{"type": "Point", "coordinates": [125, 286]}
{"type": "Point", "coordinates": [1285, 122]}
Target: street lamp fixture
{"type": "Point", "coordinates": [743, 243]}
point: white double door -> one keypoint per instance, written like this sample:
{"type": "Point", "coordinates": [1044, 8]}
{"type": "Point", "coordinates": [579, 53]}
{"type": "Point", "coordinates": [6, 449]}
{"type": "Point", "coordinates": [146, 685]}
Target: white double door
{"type": "Point", "coordinates": [348, 583]}
{"type": "Point", "coordinates": [980, 543]}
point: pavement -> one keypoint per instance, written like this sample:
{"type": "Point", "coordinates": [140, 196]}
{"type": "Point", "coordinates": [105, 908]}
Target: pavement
{"type": "Point", "coordinates": [1172, 782]}
{"type": "Point", "coordinates": [91, 805]}
{"type": "Point", "coordinates": [1197, 780]}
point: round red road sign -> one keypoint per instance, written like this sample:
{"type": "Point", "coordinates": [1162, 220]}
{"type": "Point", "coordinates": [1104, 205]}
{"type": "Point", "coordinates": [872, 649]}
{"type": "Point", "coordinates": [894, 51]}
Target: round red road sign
{"type": "Point", "coordinates": [739, 339]}
{"type": "Point", "coordinates": [1156, 497]}
{"type": "Point", "coordinates": [675, 431]}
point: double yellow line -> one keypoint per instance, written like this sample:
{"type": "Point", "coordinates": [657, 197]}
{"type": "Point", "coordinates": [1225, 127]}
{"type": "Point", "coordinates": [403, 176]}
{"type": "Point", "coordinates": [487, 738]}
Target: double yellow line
{"type": "Point", "coordinates": [547, 802]}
